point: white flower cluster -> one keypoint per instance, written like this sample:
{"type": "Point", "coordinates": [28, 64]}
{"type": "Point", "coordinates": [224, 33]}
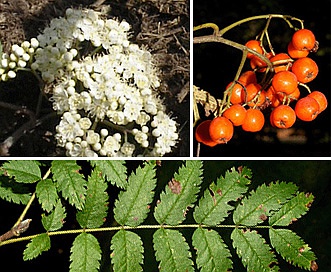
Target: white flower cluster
{"type": "Point", "coordinates": [108, 101]}
{"type": "Point", "coordinates": [19, 58]}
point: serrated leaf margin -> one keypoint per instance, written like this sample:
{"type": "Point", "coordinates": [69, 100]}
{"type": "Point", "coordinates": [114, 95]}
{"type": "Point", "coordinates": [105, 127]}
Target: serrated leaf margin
{"type": "Point", "coordinates": [37, 245]}
{"type": "Point", "coordinates": [212, 253]}
{"type": "Point", "coordinates": [127, 251]}
{"type": "Point", "coordinates": [172, 250]}
{"type": "Point", "coordinates": [85, 253]}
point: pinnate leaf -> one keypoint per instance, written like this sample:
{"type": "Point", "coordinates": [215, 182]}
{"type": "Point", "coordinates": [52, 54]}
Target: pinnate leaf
{"type": "Point", "coordinates": [132, 205]}
{"type": "Point", "coordinates": [180, 194]}
{"type": "Point", "coordinates": [172, 251]}
{"type": "Point", "coordinates": [255, 254]}
{"type": "Point", "coordinates": [55, 219]}
{"type": "Point", "coordinates": [85, 253]}
{"type": "Point", "coordinates": [291, 247]}
{"type": "Point", "coordinates": [127, 251]}
{"type": "Point", "coordinates": [95, 208]}
{"type": "Point", "coordinates": [23, 171]}
{"type": "Point", "coordinates": [212, 253]}
{"type": "Point", "coordinates": [292, 210]}
{"type": "Point", "coordinates": [263, 202]}
{"type": "Point", "coordinates": [113, 170]}
{"type": "Point", "coordinates": [46, 194]}
{"type": "Point", "coordinates": [36, 246]}
{"type": "Point", "coordinates": [70, 182]}
{"type": "Point", "coordinates": [213, 207]}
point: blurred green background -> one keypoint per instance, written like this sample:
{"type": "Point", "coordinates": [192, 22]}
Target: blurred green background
{"type": "Point", "coordinates": [314, 227]}
{"type": "Point", "coordinates": [215, 65]}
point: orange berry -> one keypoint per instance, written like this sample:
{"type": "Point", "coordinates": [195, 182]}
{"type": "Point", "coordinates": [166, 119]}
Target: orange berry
{"type": "Point", "coordinates": [254, 120]}
{"type": "Point", "coordinates": [235, 97]}
{"type": "Point", "coordinates": [295, 53]}
{"type": "Point", "coordinates": [282, 117]}
{"type": "Point", "coordinates": [221, 130]}
{"type": "Point", "coordinates": [247, 77]}
{"type": "Point", "coordinates": [255, 46]}
{"type": "Point", "coordinates": [307, 108]}
{"type": "Point", "coordinates": [280, 62]}
{"type": "Point", "coordinates": [305, 69]}
{"type": "Point", "coordinates": [320, 98]}
{"type": "Point", "coordinates": [202, 134]}
{"type": "Point", "coordinates": [285, 82]}
{"type": "Point", "coordinates": [236, 114]}
{"type": "Point", "coordinates": [250, 92]}
{"type": "Point", "coordinates": [303, 39]}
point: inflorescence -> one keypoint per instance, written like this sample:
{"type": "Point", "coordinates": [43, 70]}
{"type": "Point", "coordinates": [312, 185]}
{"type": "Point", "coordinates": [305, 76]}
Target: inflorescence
{"type": "Point", "coordinates": [103, 86]}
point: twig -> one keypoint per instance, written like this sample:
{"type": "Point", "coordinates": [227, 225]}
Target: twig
{"type": "Point", "coordinates": [183, 92]}
{"type": "Point", "coordinates": [214, 38]}
{"type": "Point", "coordinates": [17, 230]}
{"type": "Point", "coordinates": [98, 3]}
{"type": "Point", "coordinates": [7, 144]}
{"type": "Point", "coordinates": [22, 225]}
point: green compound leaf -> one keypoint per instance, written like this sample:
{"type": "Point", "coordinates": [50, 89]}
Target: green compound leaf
{"type": "Point", "coordinates": [46, 194]}
{"type": "Point", "coordinates": [180, 194]}
{"type": "Point", "coordinates": [212, 253]}
{"type": "Point", "coordinates": [255, 254]}
{"type": "Point", "coordinates": [127, 251]}
{"type": "Point", "coordinates": [95, 208]}
{"type": "Point", "coordinates": [292, 248]}
{"type": "Point", "coordinates": [292, 210]}
{"type": "Point", "coordinates": [213, 207]}
{"type": "Point", "coordinates": [263, 202]}
{"type": "Point", "coordinates": [85, 254]}
{"type": "Point", "coordinates": [55, 219]}
{"type": "Point", "coordinates": [172, 251]}
{"type": "Point", "coordinates": [70, 182]}
{"type": "Point", "coordinates": [132, 205]}
{"type": "Point", "coordinates": [14, 192]}
{"type": "Point", "coordinates": [22, 171]}
{"type": "Point", "coordinates": [114, 171]}
{"type": "Point", "coordinates": [38, 244]}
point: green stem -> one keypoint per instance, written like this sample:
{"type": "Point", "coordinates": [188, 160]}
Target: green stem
{"type": "Point", "coordinates": [213, 38]}
{"type": "Point", "coordinates": [266, 16]}
{"type": "Point", "coordinates": [65, 232]}
{"type": "Point", "coordinates": [207, 25]}
{"type": "Point", "coordinates": [96, 50]}
{"type": "Point", "coordinates": [27, 207]}
{"type": "Point", "coordinates": [114, 126]}
{"type": "Point", "coordinates": [305, 86]}
{"type": "Point", "coordinates": [227, 96]}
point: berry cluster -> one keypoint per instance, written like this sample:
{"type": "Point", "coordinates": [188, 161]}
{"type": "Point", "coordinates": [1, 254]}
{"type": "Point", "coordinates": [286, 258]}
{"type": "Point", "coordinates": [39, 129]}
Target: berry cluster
{"type": "Point", "coordinates": [247, 98]}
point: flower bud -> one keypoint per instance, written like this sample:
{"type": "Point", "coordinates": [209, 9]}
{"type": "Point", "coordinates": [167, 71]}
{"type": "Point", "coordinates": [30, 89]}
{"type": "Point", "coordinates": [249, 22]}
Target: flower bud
{"type": "Point", "coordinates": [11, 74]}
{"type": "Point", "coordinates": [34, 43]}
{"type": "Point", "coordinates": [4, 63]}
{"type": "Point", "coordinates": [25, 45]}
{"type": "Point", "coordinates": [12, 64]}
{"type": "Point", "coordinates": [26, 57]}
{"type": "Point", "coordinates": [21, 63]}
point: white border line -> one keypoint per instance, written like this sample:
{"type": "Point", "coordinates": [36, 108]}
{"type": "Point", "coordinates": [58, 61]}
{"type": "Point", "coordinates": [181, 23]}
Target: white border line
{"type": "Point", "coordinates": [191, 79]}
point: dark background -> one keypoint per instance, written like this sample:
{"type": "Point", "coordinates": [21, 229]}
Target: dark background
{"type": "Point", "coordinates": [313, 228]}
{"type": "Point", "coordinates": [215, 65]}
